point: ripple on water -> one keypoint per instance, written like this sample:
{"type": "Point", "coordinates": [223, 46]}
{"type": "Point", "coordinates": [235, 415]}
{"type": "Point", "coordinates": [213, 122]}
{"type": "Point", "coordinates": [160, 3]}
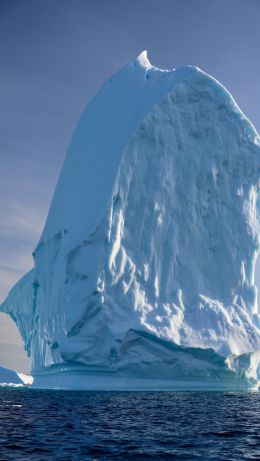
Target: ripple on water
{"type": "Point", "coordinates": [57, 425]}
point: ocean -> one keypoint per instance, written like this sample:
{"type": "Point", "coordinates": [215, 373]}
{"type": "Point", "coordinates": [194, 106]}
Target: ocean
{"type": "Point", "coordinates": [65, 425]}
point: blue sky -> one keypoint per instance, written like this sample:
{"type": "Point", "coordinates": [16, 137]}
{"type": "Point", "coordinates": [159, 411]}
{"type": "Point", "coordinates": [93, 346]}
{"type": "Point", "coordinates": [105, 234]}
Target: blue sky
{"type": "Point", "coordinates": [54, 56]}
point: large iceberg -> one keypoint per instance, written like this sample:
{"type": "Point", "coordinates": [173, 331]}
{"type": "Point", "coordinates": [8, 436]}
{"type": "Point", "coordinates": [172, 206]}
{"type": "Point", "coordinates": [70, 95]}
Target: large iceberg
{"type": "Point", "coordinates": [143, 277]}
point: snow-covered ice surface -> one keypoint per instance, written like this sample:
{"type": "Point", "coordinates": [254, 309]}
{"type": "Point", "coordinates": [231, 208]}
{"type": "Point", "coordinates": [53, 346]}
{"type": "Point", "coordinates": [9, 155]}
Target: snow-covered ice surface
{"type": "Point", "coordinates": [144, 273]}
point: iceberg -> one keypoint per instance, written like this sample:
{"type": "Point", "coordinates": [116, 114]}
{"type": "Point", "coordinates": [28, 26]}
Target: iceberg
{"type": "Point", "coordinates": [143, 277]}
{"type": "Point", "coordinates": [13, 378]}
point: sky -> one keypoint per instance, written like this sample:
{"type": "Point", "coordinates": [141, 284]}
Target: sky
{"type": "Point", "coordinates": [55, 55]}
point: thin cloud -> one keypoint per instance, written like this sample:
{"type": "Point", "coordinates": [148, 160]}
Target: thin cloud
{"type": "Point", "coordinates": [21, 226]}
{"type": "Point", "coordinates": [21, 220]}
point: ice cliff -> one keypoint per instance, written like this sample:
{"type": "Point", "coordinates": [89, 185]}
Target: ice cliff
{"type": "Point", "coordinates": [144, 274]}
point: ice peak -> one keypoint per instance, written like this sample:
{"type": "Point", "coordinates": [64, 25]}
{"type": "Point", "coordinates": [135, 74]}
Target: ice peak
{"type": "Point", "coordinates": [143, 60]}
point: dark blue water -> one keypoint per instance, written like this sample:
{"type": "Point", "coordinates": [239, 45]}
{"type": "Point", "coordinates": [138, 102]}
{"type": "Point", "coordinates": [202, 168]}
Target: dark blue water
{"type": "Point", "coordinates": [59, 425]}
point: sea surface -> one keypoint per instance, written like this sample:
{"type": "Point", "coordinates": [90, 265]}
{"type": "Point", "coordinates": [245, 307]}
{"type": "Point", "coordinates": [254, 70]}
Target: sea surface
{"type": "Point", "coordinates": [62, 425]}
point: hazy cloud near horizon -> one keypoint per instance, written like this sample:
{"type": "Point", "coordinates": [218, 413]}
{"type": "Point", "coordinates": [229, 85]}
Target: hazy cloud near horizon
{"type": "Point", "coordinates": [56, 55]}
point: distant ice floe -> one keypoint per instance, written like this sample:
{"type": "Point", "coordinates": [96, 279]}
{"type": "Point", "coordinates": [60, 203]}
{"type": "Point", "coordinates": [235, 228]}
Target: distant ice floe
{"type": "Point", "coordinates": [14, 378]}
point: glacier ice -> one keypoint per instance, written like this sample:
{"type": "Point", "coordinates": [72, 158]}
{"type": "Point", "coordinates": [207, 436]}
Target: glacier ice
{"type": "Point", "coordinates": [144, 274]}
